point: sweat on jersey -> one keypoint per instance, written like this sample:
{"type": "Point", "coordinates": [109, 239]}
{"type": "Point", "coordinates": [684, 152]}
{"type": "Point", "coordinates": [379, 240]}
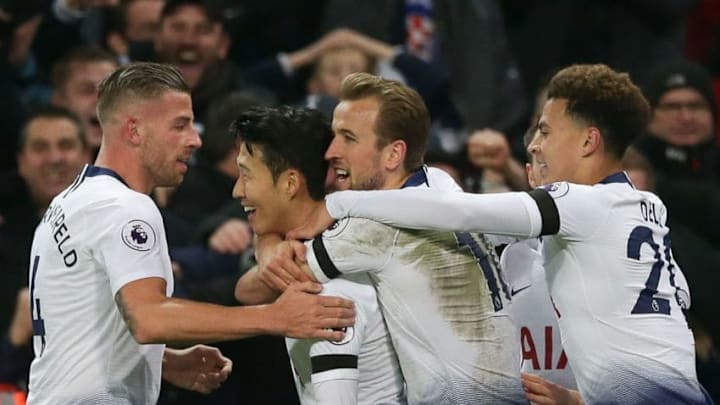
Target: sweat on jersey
{"type": "Point", "coordinates": [609, 269]}
{"type": "Point", "coordinates": [95, 237]}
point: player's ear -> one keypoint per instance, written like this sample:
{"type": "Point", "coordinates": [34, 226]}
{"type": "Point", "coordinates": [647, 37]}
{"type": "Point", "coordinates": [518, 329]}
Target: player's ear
{"type": "Point", "coordinates": [292, 182]}
{"type": "Point", "coordinates": [592, 142]}
{"type": "Point", "coordinates": [131, 131]}
{"type": "Point", "coordinates": [395, 153]}
{"type": "Point", "coordinates": [529, 174]}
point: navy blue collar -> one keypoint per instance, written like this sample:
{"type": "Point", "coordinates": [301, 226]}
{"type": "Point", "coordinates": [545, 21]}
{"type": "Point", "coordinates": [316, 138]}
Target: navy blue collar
{"type": "Point", "coordinates": [619, 177]}
{"type": "Point", "coordinates": [93, 171]}
{"type": "Point", "coordinates": [416, 179]}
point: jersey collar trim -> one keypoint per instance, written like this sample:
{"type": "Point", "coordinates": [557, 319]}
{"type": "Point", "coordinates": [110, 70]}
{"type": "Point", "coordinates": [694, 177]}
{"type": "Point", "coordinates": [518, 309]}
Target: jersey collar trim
{"type": "Point", "coordinates": [619, 177]}
{"type": "Point", "coordinates": [418, 178]}
{"type": "Point", "coordinates": [93, 171]}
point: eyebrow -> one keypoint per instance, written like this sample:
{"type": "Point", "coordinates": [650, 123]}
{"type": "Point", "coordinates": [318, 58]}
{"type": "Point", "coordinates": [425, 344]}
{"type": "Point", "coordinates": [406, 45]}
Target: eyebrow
{"type": "Point", "coordinates": [344, 131]}
{"type": "Point", "coordinates": [184, 119]}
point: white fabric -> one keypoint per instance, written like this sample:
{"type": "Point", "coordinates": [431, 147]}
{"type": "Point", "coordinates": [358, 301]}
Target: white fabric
{"type": "Point", "coordinates": [534, 315]}
{"type": "Point", "coordinates": [453, 344]}
{"type": "Point", "coordinates": [422, 208]}
{"type": "Point", "coordinates": [89, 356]}
{"type": "Point", "coordinates": [376, 379]}
{"type": "Point", "coordinates": [617, 356]}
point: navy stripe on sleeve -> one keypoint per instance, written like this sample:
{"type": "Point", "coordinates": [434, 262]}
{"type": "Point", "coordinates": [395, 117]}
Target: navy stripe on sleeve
{"type": "Point", "coordinates": [548, 211]}
{"type": "Point", "coordinates": [323, 258]}
{"type": "Point", "coordinates": [328, 362]}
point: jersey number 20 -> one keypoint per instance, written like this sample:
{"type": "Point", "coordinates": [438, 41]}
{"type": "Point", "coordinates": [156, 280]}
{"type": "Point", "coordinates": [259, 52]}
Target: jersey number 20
{"type": "Point", "coordinates": [647, 303]}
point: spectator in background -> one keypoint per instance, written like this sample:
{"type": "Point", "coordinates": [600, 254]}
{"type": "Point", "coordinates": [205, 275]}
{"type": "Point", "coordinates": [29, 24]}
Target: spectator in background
{"type": "Point", "coordinates": [52, 150]}
{"type": "Point", "coordinates": [680, 144]}
{"type": "Point", "coordinates": [131, 29]}
{"type": "Point", "coordinates": [18, 26]}
{"type": "Point", "coordinates": [75, 78]}
{"type": "Point", "coordinates": [193, 37]}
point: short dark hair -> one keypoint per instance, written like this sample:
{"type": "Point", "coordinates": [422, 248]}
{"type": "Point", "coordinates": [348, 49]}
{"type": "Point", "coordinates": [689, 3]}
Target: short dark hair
{"type": "Point", "coordinates": [288, 137]}
{"type": "Point", "coordinates": [213, 9]}
{"type": "Point", "coordinates": [51, 112]}
{"type": "Point", "coordinates": [216, 138]}
{"type": "Point", "coordinates": [138, 80]}
{"type": "Point", "coordinates": [604, 98]}
{"type": "Point", "coordinates": [402, 116]}
{"type": "Point", "coordinates": [80, 55]}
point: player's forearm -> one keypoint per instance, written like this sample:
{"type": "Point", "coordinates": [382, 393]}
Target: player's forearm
{"type": "Point", "coordinates": [513, 214]}
{"type": "Point", "coordinates": [251, 290]}
{"type": "Point", "coordinates": [182, 321]}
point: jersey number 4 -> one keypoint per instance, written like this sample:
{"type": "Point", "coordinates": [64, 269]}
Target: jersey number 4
{"type": "Point", "coordinates": [38, 325]}
{"type": "Point", "coordinates": [647, 302]}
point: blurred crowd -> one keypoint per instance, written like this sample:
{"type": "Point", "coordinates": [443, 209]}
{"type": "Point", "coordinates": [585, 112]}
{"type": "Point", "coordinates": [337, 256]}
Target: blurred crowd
{"type": "Point", "coordinates": [480, 66]}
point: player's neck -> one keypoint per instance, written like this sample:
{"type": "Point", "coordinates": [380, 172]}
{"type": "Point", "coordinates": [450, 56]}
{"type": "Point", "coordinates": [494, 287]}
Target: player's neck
{"type": "Point", "coordinates": [596, 170]}
{"type": "Point", "coordinates": [396, 180]}
{"type": "Point", "coordinates": [301, 210]}
{"type": "Point", "coordinates": [126, 166]}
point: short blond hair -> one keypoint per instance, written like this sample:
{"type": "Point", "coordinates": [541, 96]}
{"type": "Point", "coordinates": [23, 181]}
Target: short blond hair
{"type": "Point", "coordinates": [141, 80]}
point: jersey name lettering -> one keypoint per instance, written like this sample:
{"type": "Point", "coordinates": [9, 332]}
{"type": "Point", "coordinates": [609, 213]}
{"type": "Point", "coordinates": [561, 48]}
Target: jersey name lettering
{"type": "Point", "coordinates": [56, 218]}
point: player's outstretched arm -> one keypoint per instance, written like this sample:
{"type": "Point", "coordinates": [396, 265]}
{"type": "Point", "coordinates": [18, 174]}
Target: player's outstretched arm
{"type": "Point", "coordinates": [543, 392]}
{"type": "Point", "coordinates": [299, 312]}
{"type": "Point", "coordinates": [198, 368]}
{"type": "Point", "coordinates": [512, 214]}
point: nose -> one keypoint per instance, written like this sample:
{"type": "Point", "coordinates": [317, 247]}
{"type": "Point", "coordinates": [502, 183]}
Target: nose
{"type": "Point", "coordinates": [238, 191]}
{"type": "Point", "coordinates": [195, 140]}
{"type": "Point", "coordinates": [533, 147]}
{"type": "Point", "coordinates": [56, 155]}
{"type": "Point", "coordinates": [333, 151]}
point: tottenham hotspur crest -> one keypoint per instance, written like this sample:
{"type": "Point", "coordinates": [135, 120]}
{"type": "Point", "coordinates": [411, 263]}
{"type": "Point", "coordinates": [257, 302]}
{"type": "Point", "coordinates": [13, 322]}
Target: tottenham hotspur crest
{"type": "Point", "coordinates": [349, 334]}
{"type": "Point", "coordinates": [138, 235]}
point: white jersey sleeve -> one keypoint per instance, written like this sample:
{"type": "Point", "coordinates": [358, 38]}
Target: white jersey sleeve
{"type": "Point", "coordinates": [352, 245]}
{"type": "Point", "coordinates": [360, 369]}
{"type": "Point", "coordinates": [132, 246]}
{"type": "Point", "coordinates": [512, 214]}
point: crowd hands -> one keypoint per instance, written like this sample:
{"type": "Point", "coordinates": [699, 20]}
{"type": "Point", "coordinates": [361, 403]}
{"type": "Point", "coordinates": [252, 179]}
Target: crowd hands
{"type": "Point", "coordinates": [211, 251]}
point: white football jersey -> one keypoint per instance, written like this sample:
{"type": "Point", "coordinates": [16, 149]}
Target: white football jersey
{"type": "Point", "coordinates": [609, 269]}
{"type": "Point", "coordinates": [360, 369]}
{"type": "Point", "coordinates": [534, 314]}
{"type": "Point", "coordinates": [614, 281]}
{"type": "Point", "coordinates": [444, 303]}
{"type": "Point", "coordinates": [95, 237]}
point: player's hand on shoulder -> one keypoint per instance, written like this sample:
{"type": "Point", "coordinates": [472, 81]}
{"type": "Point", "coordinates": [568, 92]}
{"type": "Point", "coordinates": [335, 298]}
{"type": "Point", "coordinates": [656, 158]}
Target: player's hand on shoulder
{"type": "Point", "coordinates": [305, 314]}
{"type": "Point", "coordinates": [198, 368]}
{"type": "Point", "coordinates": [284, 266]}
{"type": "Point", "coordinates": [543, 392]}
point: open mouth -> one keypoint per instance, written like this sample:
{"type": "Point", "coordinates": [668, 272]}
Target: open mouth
{"type": "Point", "coordinates": [341, 175]}
{"type": "Point", "coordinates": [249, 211]}
{"type": "Point", "coordinates": [188, 57]}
